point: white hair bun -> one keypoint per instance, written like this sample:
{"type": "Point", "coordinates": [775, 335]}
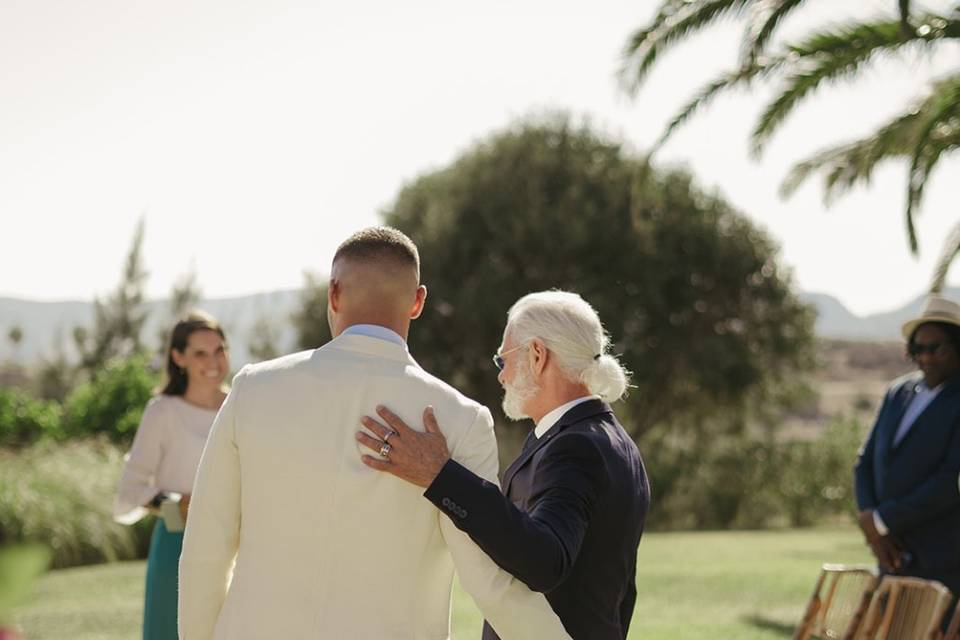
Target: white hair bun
{"type": "Point", "coordinates": [606, 377]}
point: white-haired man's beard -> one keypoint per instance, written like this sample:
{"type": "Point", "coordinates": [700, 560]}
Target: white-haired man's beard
{"type": "Point", "coordinates": [517, 392]}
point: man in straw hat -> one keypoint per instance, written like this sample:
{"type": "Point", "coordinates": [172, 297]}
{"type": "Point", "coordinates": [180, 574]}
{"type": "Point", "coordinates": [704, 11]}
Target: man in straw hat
{"type": "Point", "coordinates": [907, 472]}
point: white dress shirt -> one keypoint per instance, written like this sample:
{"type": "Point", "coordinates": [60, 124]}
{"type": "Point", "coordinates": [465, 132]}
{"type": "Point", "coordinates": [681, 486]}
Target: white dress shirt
{"type": "Point", "coordinates": [547, 421]}
{"type": "Point", "coordinates": [165, 454]}
{"type": "Point", "coordinates": [923, 396]}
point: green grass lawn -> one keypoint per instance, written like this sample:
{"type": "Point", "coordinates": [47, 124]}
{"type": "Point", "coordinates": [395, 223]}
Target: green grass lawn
{"type": "Point", "coordinates": [743, 585]}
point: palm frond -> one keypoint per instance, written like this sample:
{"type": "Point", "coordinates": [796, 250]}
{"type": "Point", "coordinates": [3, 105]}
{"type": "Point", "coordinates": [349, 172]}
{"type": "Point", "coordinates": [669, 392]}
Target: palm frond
{"type": "Point", "coordinates": [674, 21]}
{"type": "Point", "coordinates": [951, 249]}
{"type": "Point", "coordinates": [765, 17]}
{"type": "Point", "coordinates": [709, 91]}
{"type": "Point", "coordinates": [834, 54]}
{"type": "Point", "coordinates": [639, 37]}
{"type": "Point", "coordinates": [939, 133]}
{"type": "Point", "coordinates": [920, 169]}
{"type": "Point", "coordinates": [847, 164]}
{"type": "Point", "coordinates": [927, 131]}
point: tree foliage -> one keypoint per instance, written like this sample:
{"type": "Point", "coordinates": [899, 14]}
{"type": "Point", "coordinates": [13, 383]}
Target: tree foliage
{"type": "Point", "coordinates": [688, 288]}
{"type": "Point", "coordinates": [112, 402]}
{"type": "Point", "coordinates": [310, 317]}
{"type": "Point", "coordinates": [15, 336]}
{"type": "Point", "coordinates": [24, 419]}
{"type": "Point", "coordinates": [185, 294]}
{"type": "Point", "coordinates": [118, 320]}
{"type": "Point", "coordinates": [264, 340]}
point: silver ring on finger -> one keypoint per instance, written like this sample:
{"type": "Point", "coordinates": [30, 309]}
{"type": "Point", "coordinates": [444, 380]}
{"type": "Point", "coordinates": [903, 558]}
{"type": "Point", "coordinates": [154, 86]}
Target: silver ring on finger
{"type": "Point", "coordinates": [388, 436]}
{"type": "Point", "coordinates": [385, 450]}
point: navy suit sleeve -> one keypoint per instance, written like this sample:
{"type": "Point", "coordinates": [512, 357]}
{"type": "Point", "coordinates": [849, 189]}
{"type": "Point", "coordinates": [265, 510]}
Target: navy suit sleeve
{"type": "Point", "coordinates": [929, 499]}
{"type": "Point", "coordinates": [538, 546]}
{"type": "Point", "coordinates": [628, 603]}
{"type": "Point", "coordinates": [863, 467]}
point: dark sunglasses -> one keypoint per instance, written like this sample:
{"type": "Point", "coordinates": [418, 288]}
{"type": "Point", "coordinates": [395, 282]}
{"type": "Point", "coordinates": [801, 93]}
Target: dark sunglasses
{"type": "Point", "coordinates": [916, 350]}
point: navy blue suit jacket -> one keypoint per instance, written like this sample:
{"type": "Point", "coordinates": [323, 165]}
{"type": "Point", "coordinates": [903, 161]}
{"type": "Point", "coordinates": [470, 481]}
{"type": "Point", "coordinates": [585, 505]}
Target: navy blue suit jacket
{"type": "Point", "coordinates": [569, 523]}
{"type": "Point", "coordinates": [914, 485]}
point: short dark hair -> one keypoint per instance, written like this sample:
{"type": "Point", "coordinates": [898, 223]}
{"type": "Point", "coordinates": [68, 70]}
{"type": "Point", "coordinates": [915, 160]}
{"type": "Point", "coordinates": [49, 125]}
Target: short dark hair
{"type": "Point", "coordinates": [176, 384]}
{"type": "Point", "coordinates": [952, 331]}
{"type": "Point", "coordinates": [376, 244]}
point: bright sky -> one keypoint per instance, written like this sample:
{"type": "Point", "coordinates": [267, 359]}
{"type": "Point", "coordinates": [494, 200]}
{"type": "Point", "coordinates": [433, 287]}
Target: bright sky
{"type": "Point", "coordinates": [256, 135]}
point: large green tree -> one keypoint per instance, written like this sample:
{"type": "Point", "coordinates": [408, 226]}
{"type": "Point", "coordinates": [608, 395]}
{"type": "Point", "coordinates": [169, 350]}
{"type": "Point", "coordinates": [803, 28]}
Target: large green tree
{"type": "Point", "coordinates": [925, 132]}
{"type": "Point", "coordinates": [690, 290]}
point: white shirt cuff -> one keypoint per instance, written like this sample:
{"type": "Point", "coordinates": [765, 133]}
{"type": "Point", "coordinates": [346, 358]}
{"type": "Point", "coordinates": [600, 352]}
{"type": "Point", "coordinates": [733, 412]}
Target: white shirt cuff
{"type": "Point", "coordinates": [879, 524]}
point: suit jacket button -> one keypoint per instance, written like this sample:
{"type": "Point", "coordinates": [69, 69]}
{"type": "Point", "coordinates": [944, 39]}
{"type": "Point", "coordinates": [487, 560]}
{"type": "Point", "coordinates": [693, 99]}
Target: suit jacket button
{"type": "Point", "coordinates": [445, 502]}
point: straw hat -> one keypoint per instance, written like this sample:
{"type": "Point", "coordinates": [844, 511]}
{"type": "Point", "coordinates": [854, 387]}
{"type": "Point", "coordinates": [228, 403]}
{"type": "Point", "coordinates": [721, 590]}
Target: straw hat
{"type": "Point", "coordinates": [936, 309]}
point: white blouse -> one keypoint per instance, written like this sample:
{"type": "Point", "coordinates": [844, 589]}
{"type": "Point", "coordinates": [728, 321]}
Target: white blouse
{"type": "Point", "coordinates": [165, 454]}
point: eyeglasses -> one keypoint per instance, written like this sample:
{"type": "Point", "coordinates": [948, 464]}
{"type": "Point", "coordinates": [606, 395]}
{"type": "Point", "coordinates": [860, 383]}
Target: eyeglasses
{"type": "Point", "coordinates": [498, 357]}
{"type": "Point", "coordinates": [916, 350]}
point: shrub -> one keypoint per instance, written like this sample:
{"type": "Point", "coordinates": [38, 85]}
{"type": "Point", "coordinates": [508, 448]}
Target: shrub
{"type": "Point", "coordinates": [815, 479]}
{"type": "Point", "coordinates": [24, 419]}
{"type": "Point", "coordinates": [112, 402]}
{"type": "Point", "coordinates": [752, 482]}
{"type": "Point", "coordinates": [61, 496]}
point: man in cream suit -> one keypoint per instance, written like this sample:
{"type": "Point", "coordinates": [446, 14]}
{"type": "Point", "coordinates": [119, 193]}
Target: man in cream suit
{"type": "Point", "coordinates": [291, 536]}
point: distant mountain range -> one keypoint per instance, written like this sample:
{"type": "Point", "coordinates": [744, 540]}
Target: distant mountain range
{"type": "Point", "coordinates": [44, 324]}
{"type": "Point", "coordinates": [836, 321]}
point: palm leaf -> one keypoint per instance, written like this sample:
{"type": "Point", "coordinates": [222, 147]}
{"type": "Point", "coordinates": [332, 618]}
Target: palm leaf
{"type": "Point", "coordinates": [920, 170]}
{"type": "Point", "coordinates": [765, 17]}
{"type": "Point", "coordinates": [674, 21]}
{"type": "Point", "coordinates": [848, 164]}
{"type": "Point", "coordinates": [709, 91]}
{"type": "Point", "coordinates": [951, 248]}
{"type": "Point", "coordinates": [841, 53]}
{"type": "Point", "coordinates": [927, 131]}
{"type": "Point", "coordinates": [939, 133]}
{"type": "Point", "coordinates": [639, 37]}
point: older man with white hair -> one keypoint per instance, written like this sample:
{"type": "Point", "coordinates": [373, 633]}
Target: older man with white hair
{"type": "Point", "coordinates": [574, 502]}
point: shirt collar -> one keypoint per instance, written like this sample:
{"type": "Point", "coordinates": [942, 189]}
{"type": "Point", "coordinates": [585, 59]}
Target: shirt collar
{"type": "Point", "coordinates": [922, 388]}
{"type": "Point", "coordinates": [375, 331]}
{"type": "Point", "coordinates": [547, 421]}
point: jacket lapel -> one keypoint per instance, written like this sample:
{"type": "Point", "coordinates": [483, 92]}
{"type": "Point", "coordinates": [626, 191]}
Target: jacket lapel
{"type": "Point", "coordinates": [904, 397]}
{"type": "Point", "coordinates": [576, 414]}
{"type": "Point", "coordinates": [950, 388]}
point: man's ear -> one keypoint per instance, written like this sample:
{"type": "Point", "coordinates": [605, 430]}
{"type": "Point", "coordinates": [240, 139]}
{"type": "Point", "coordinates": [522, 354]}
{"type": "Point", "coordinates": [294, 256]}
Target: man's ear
{"type": "Point", "coordinates": [539, 355]}
{"type": "Point", "coordinates": [333, 295]}
{"type": "Point", "coordinates": [419, 300]}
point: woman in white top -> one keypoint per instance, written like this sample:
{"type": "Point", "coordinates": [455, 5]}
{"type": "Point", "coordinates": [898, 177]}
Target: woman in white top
{"type": "Point", "coordinates": [159, 472]}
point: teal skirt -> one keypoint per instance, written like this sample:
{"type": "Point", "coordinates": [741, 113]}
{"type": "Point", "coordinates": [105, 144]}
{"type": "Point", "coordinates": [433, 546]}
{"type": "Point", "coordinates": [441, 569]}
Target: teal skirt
{"type": "Point", "coordinates": [160, 605]}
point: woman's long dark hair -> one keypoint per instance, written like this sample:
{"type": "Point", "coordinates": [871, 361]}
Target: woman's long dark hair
{"type": "Point", "coordinates": [194, 321]}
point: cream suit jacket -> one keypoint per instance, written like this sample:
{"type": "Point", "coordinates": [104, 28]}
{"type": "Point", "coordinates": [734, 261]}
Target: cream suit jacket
{"type": "Point", "coordinates": [291, 536]}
